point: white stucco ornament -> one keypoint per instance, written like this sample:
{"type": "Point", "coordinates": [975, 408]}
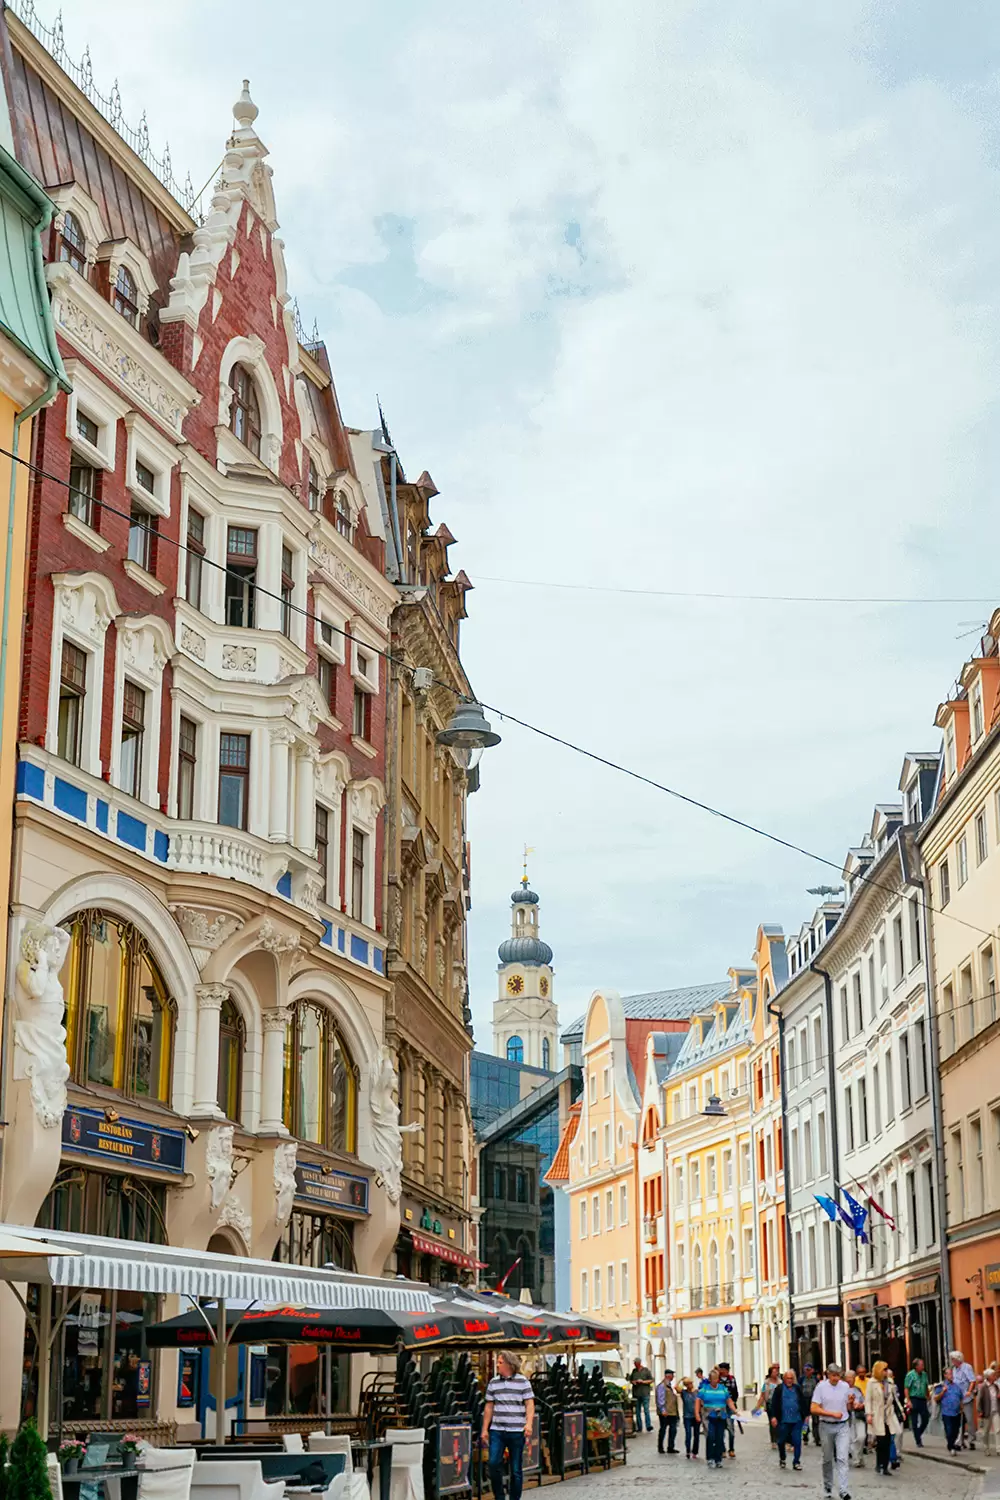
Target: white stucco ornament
{"type": "Point", "coordinates": [235, 1216]}
{"type": "Point", "coordinates": [39, 1033]}
{"type": "Point", "coordinates": [284, 1180]}
{"type": "Point", "coordinates": [387, 1133]}
{"type": "Point", "coordinates": [219, 1162]}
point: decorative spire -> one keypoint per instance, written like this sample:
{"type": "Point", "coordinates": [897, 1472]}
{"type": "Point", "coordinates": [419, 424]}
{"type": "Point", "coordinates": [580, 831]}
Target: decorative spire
{"type": "Point", "coordinates": [245, 110]}
{"type": "Point", "coordinates": [524, 878]}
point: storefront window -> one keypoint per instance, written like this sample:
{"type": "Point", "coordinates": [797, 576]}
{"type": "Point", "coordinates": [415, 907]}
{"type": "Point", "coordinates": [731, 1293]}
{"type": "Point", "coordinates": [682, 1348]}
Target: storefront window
{"type": "Point", "coordinates": [232, 1044]}
{"type": "Point", "coordinates": [101, 1367]}
{"type": "Point", "coordinates": [304, 1381]}
{"type": "Point", "coordinates": [119, 1016]}
{"type": "Point", "coordinates": [321, 1081]}
{"type": "Point", "coordinates": [317, 1240]}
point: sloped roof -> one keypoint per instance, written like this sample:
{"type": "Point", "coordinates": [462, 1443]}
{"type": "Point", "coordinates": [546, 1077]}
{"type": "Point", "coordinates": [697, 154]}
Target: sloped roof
{"type": "Point", "coordinates": [661, 1005]}
{"type": "Point", "coordinates": [716, 1042]}
{"type": "Point", "coordinates": [559, 1170]}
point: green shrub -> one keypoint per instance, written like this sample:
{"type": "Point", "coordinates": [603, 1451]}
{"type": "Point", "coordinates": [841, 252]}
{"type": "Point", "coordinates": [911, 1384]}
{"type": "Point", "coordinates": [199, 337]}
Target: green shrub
{"type": "Point", "coordinates": [28, 1474]}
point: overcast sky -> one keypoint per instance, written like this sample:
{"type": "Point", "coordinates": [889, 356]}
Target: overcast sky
{"type": "Point", "coordinates": [666, 295]}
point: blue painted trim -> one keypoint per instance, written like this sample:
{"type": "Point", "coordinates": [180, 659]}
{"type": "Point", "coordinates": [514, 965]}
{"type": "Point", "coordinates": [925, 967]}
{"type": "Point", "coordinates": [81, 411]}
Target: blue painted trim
{"type": "Point", "coordinates": [340, 939]}
{"type": "Point", "coordinates": [327, 937]}
{"type": "Point", "coordinates": [284, 887]}
{"type": "Point", "coordinates": [101, 808]}
{"type": "Point", "coordinates": [161, 846]}
{"type": "Point", "coordinates": [378, 959]}
{"type": "Point", "coordinates": [67, 798]}
{"type": "Point", "coordinates": [359, 949]}
{"type": "Point", "coordinates": [30, 781]}
{"type": "Point", "coordinates": [131, 831]}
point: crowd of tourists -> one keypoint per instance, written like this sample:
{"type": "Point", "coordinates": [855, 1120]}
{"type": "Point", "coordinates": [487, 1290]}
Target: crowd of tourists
{"type": "Point", "coordinates": [848, 1414]}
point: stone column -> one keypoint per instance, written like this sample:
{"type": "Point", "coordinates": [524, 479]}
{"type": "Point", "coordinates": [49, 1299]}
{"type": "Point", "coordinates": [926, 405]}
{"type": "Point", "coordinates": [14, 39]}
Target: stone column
{"type": "Point", "coordinates": [277, 829]}
{"type": "Point", "coordinates": [436, 1128]}
{"type": "Point", "coordinates": [210, 999]}
{"type": "Point", "coordinates": [305, 800]}
{"type": "Point", "coordinates": [275, 1024]}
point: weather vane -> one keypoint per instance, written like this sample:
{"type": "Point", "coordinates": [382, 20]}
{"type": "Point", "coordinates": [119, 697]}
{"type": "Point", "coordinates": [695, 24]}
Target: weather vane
{"type": "Point", "coordinates": [524, 878]}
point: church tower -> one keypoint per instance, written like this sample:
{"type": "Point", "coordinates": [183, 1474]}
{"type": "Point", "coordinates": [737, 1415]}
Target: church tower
{"type": "Point", "coordinates": [525, 1018]}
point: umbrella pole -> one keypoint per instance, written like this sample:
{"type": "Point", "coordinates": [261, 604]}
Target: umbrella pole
{"type": "Point", "coordinates": [44, 1346]}
{"type": "Point", "coordinates": [329, 1387]}
{"type": "Point", "coordinates": [221, 1350]}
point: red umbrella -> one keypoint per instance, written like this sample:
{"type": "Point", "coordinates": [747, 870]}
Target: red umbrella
{"type": "Point", "coordinates": [359, 1328]}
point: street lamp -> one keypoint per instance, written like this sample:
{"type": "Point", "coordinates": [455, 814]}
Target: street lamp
{"type": "Point", "coordinates": [469, 728]}
{"type": "Point", "coordinates": [714, 1109]}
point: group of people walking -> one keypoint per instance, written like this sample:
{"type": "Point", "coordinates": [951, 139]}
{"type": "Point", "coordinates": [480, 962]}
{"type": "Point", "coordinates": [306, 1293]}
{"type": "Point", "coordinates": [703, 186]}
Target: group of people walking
{"type": "Point", "coordinates": [703, 1403]}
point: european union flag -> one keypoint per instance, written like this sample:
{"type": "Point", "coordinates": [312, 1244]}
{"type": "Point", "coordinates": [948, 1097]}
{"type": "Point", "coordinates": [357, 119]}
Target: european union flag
{"type": "Point", "coordinates": [858, 1216]}
{"type": "Point", "coordinates": [827, 1205]}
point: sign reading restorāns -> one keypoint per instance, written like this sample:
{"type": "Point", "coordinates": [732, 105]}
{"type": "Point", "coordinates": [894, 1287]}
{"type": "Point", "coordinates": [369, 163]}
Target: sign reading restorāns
{"type": "Point", "coordinates": [127, 1141]}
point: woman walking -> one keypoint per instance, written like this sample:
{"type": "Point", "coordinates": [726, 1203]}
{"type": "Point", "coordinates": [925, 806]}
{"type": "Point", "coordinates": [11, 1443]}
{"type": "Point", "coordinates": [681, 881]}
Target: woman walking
{"type": "Point", "coordinates": [880, 1413]}
{"type": "Point", "coordinates": [714, 1403]}
{"type": "Point", "coordinates": [692, 1427]}
{"type": "Point", "coordinates": [768, 1387]}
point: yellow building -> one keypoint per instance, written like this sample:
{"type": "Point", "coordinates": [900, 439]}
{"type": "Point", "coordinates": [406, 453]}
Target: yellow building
{"type": "Point", "coordinates": [31, 372]}
{"type": "Point", "coordinates": [771, 1308]}
{"type": "Point", "coordinates": [710, 1210]}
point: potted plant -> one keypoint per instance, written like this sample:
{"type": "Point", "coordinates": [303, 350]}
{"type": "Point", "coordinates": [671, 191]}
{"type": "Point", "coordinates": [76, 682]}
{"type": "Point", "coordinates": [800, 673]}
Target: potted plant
{"type": "Point", "coordinates": [129, 1447]}
{"type": "Point", "coordinates": [28, 1471]}
{"type": "Point", "coordinates": [71, 1453]}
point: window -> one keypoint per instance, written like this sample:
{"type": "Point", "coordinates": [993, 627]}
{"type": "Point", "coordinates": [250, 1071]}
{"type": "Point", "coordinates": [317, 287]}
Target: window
{"type": "Point", "coordinates": [623, 1205]}
{"type": "Point", "coordinates": [126, 298]}
{"type": "Point", "coordinates": [546, 1054]}
{"type": "Point", "coordinates": [144, 477]}
{"type": "Point", "coordinates": [958, 1170]}
{"type": "Point", "coordinates": [965, 1020]}
{"type": "Point", "coordinates": [727, 1171]}
{"type": "Point", "coordinates": [187, 765]}
{"type": "Point", "coordinates": [244, 411]}
{"type": "Point", "coordinates": [321, 1081]}
{"type": "Point", "coordinates": [897, 939]}
{"type": "Point", "coordinates": [890, 1092]}
{"type": "Point", "coordinates": [83, 493]}
{"type": "Point", "coordinates": [241, 576]}
{"type": "Point", "coordinates": [982, 848]}
{"type": "Point", "coordinates": [692, 1099]}
{"type": "Point", "coordinates": [883, 968]}
{"type": "Point", "coordinates": [872, 996]}
{"type": "Point", "coordinates": [611, 1285]}
{"type": "Point", "coordinates": [695, 1178]}
{"type": "Point", "coordinates": [142, 529]}
{"type": "Point", "coordinates": [359, 853]}
{"type": "Point", "coordinates": [583, 1218]}
{"type": "Point", "coordinates": [923, 1068]}
{"type": "Point", "coordinates": [592, 1085]}
{"type": "Point", "coordinates": [119, 1016]}
{"type": "Point", "coordinates": [928, 1172]}
{"type": "Point", "coordinates": [342, 516]}
{"type": "Point", "coordinates": [234, 779]}
{"type": "Point", "coordinates": [748, 1257]}
{"type": "Point", "coordinates": [623, 1282]}
{"type": "Point", "coordinates": [944, 883]}
{"type": "Point", "coordinates": [978, 1167]}
{"type": "Point", "coordinates": [818, 1059]}
{"type": "Point", "coordinates": [877, 1098]}
{"type": "Point", "coordinates": [821, 1137]}
{"type": "Point", "coordinates": [849, 1116]}
{"type": "Point", "coordinates": [362, 714]}
{"type": "Point", "coordinates": [989, 984]}
{"type": "Point", "coordinates": [593, 1147]}
{"type": "Point", "coordinates": [863, 1109]}
{"type": "Point", "coordinates": [912, 1210]}
{"type": "Point", "coordinates": [133, 727]}
{"type": "Point", "coordinates": [807, 1151]}
{"type": "Point", "coordinates": [905, 1079]}
{"type": "Point", "coordinates": [313, 487]}
{"type": "Point", "coordinates": [323, 850]}
{"type": "Point", "coordinates": [72, 245]}
{"type": "Point", "coordinates": [790, 1060]}
{"type": "Point", "coordinates": [609, 1209]}
{"type": "Point", "coordinates": [595, 1213]}
{"type": "Point", "coordinates": [607, 1141]}
{"type": "Point", "coordinates": [606, 1083]}
{"type": "Point", "coordinates": [962, 860]}
{"type": "Point", "coordinates": [845, 1014]}
{"type": "Point", "coordinates": [795, 1172]}
{"type": "Point", "coordinates": [711, 1175]}
{"type": "Point", "coordinates": [72, 696]}
{"type": "Point", "coordinates": [584, 1299]}
{"type": "Point", "coordinates": [597, 1286]}
{"type": "Point", "coordinates": [950, 759]}
{"type": "Point", "coordinates": [193, 558]}
{"type": "Point", "coordinates": [915, 948]}
{"type": "Point", "coordinates": [976, 704]}
{"type": "Point", "coordinates": [287, 587]}
{"type": "Point", "coordinates": [745, 1164]}
{"type": "Point", "coordinates": [859, 1015]}
{"type": "Point", "coordinates": [232, 1045]}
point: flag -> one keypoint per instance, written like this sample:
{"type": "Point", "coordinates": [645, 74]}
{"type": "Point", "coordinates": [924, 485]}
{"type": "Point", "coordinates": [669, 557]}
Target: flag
{"type": "Point", "coordinates": [877, 1207]}
{"type": "Point", "coordinates": [858, 1216]}
{"type": "Point", "coordinates": [827, 1205]}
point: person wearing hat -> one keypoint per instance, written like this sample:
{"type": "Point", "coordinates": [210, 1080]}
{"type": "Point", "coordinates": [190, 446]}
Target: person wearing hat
{"type": "Point", "coordinates": [668, 1413]}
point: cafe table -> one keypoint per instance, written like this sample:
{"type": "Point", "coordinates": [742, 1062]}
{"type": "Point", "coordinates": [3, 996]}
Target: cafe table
{"type": "Point", "coordinates": [117, 1482]}
{"type": "Point", "coordinates": [383, 1448]}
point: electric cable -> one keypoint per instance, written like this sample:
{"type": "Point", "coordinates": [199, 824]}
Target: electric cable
{"type": "Point", "coordinates": [724, 597]}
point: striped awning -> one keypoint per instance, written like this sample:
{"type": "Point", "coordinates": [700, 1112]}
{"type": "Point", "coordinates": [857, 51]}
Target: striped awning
{"type": "Point", "coordinates": [82, 1260]}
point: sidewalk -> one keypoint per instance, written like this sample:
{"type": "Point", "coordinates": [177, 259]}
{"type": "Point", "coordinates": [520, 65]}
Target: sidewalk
{"type": "Point", "coordinates": [975, 1461]}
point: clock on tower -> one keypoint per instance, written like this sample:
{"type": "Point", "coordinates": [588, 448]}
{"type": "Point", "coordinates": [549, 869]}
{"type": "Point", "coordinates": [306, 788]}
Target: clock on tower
{"type": "Point", "coordinates": [525, 1018]}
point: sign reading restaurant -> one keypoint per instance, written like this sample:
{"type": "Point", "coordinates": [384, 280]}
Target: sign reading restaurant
{"type": "Point", "coordinates": [334, 1189]}
{"type": "Point", "coordinates": [90, 1132]}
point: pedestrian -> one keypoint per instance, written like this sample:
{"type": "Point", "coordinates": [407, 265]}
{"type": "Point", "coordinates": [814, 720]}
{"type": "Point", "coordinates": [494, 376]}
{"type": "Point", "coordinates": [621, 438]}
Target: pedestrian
{"type": "Point", "coordinates": [917, 1389]}
{"type": "Point", "coordinates": [767, 1388]}
{"type": "Point", "coordinates": [858, 1426]}
{"type": "Point", "coordinates": [714, 1404]}
{"type": "Point", "coordinates": [808, 1384]}
{"type": "Point", "coordinates": [788, 1410]}
{"type": "Point", "coordinates": [692, 1426]}
{"type": "Point", "coordinates": [949, 1398]}
{"type": "Point", "coordinates": [641, 1382]}
{"type": "Point", "coordinates": [861, 1384]}
{"type": "Point", "coordinates": [668, 1412]}
{"type": "Point", "coordinates": [729, 1381]}
{"type": "Point", "coordinates": [880, 1414]}
{"type": "Point", "coordinates": [988, 1410]}
{"type": "Point", "coordinates": [830, 1404]}
{"type": "Point", "coordinates": [964, 1376]}
{"type": "Point", "coordinates": [507, 1420]}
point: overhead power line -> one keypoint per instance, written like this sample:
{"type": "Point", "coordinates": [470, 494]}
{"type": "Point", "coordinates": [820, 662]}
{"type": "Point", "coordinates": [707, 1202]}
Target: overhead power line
{"type": "Point", "coordinates": [733, 596]}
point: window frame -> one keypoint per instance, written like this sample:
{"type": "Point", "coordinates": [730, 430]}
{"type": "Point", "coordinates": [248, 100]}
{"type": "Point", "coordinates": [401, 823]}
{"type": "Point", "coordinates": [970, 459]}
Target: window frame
{"type": "Point", "coordinates": [187, 767]}
{"type": "Point", "coordinates": [73, 246]}
{"type": "Point", "coordinates": [233, 770]}
{"type": "Point", "coordinates": [194, 558]}
{"type": "Point", "coordinates": [132, 731]}
{"type": "Point", "coordinates": [143, 532]}
{"type": "Point", "coordinates": [244, 409]}
{"type": "Point", "coordinates": [125, 295]}
{"type": "Point", "coordinates": [332, 1036]}
{"type": "Point", "coordinates": [241, 578]}
{"type": "Point", "coordinates": [70, 687]}
{"type": "Point", "coordinates": [232, 1039]}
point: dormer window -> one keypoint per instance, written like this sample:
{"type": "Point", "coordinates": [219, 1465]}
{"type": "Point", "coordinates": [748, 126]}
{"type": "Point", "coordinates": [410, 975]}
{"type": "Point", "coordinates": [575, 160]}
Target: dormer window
{"type": "Point", "coordinates": [72, 245]}
{"type": "Point", "coordinates": [342, 516]}
{"type": "Point", "coordinates": [244, 413]}
{"type": "Point", "coordinates": [315, 490]}
{"type": "Point", "coordinates": [949, 749]}
{"type": "Point", "coordinates": [976, 702]}
{"type": "Point", "coordinates": [126, 297]}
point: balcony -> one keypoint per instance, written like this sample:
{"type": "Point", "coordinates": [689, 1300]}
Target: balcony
{"type": "Point", "coordinates": [712, 1298]}
{"type": "Point", "coordinates": [698, 1298]}
{"type": "Point", "coordinates": [728, 1293]}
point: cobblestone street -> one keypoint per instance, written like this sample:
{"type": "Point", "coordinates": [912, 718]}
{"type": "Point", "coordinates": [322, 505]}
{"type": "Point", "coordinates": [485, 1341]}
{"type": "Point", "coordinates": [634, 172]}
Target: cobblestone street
{"type": "Point", "coordinates": [755, 1472]}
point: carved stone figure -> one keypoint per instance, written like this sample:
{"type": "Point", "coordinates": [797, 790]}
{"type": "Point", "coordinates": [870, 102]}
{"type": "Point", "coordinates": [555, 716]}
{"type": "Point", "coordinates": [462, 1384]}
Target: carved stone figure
{"type": "Point", "coordinates": [219, 1162]}
{"type": "Point", "coordinates": [387, 1133]}
{"type": "Point", "coordinates": [284, 1180]}
{"type": "Point", "coordinates": [235, 1216]}
{"type": "Point", "coordinates": [272, 940]}
{"type": "Point", "coordinates": [39, 1034]}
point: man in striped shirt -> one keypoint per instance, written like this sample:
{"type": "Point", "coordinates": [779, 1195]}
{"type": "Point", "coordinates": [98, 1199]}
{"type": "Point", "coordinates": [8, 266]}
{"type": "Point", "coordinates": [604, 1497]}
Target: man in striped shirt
{"type": "Point", "coordinates": [507, 1421]}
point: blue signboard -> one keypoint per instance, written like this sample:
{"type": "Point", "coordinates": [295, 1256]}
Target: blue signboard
{"type": "Point", "coordinates": [334, 1189]}
{"type": "Point", "coordinates": [130, 1142]}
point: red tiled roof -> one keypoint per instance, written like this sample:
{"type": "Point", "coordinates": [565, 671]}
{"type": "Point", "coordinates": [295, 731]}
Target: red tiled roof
{"type": "Point", "coordinates": [559, 1170]}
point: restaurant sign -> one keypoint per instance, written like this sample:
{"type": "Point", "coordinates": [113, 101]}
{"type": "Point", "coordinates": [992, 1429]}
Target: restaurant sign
{"type": "Point", "coordinates": [90, 1132]}
{"type": "Point", "coordinates": [921, 1289]}
{"type": "Point", "coordinates": [332, 1189]}
{"type": "Point", "coordinates": [991, 1277]}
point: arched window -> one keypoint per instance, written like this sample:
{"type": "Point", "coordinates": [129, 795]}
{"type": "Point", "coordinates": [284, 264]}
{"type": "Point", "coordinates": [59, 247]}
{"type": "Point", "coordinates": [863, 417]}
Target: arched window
{"type": "Point", "coordinates": [314, 487]}
{"type": "Point", "coordinates": [126, 298]}
{"type": "Point", "coordinates": [515, 1049]}
{"type": "Point", "coordinates": [321, 1080]}
{"type": "Point", "coordinates": [713, 1266]}
{"type": "Point", "coordinates": [232, 1045]}
{"type": "Point", "coordinates": [730, 1266]}
{"type": "Point", "coordinates": [546, 1053]}
{"type": "Point", "coordinates": [72, 245]}
{"type": "Point", "coordinates": [244, 412]}
{"type": "Point", "coordinates": [120, 1018]}
{"type": "Point", "coordinates": [697, 1273]}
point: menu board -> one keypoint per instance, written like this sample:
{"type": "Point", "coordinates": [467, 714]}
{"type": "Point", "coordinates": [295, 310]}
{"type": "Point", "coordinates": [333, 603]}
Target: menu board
{"type": "Point", "coordinates": [574, 1428]}
{"type": "Point", "coordinates": [533, 1448]}
{"type": "Point", "coordinates": [617, 1418]}
{"type": "Point", "coordinates": [454, 1457]}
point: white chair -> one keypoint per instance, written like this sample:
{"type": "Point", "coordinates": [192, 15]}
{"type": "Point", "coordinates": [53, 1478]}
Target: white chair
{"type": "Point", "coordinates": [340, 1442]}
{"type": "Point", "coordinates": [55, 1476]}
{"type": "Point", "coordinates": [166, 1473]}
{"type": "Point", "coordinates": [292, 1442]}
{"type": "Point", "coordinates": [240, 1480]}
{"type": "Point", "coordinates": [407, 1476]}
{"type": "Point", "coordinates": [335, 1490]}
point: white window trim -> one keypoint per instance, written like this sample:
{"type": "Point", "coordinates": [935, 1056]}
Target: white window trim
{"type": "Point", "coordinates": [144, 647]}
{"type": "Point", "coordinates": [207, 753]}
{"type": "Point", "coordinates": [368, 681]}
{"type": "Point", "coordinates": [145, 444]}
{"type": "Point", "coordinates": [91, 396]}
{"type": "Point", "coordinates": [85, 604]}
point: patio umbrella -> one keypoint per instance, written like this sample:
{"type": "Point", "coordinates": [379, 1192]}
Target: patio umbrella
{"type": "Point", "coordinates": [360, 1329]}
{"type": "Point", "coordinates": [520, 1324]}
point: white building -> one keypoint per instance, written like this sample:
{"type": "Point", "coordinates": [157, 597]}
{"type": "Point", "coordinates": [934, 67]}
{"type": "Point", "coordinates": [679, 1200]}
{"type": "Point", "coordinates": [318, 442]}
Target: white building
{"type": "Point", "coordinates": [525, 1015]}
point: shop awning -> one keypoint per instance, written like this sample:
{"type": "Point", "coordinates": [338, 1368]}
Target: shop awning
{"type": "Point", "coordinates": [361, 1330]}
{"type": "Point", "coordinates": [83, 1260]}
{"type": "Point", "coordinates": [428, 1245]}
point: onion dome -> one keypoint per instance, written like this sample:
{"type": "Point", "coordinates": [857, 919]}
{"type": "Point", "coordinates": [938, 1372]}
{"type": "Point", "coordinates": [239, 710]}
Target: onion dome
{"type": "Point", "coordinates": [524, 950]}
{"type": "Point", "coordinates": [524, 896]}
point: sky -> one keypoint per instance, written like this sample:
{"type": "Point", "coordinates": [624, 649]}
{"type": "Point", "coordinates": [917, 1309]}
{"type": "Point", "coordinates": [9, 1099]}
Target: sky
{"type": "Point", "coordinates": [669, 296]}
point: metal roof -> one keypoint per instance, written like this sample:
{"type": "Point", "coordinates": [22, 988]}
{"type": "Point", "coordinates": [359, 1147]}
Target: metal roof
{"type": "Point", "coordinates": [25, 311]}
{"type": "Point", "coordinates": [661, 1005]}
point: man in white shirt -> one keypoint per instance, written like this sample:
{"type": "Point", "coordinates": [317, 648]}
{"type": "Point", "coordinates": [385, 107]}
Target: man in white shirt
{"type": "Point", "coordinates": [964, 1376]}
{"type": "Point", "coordinates": [831, 1403]}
